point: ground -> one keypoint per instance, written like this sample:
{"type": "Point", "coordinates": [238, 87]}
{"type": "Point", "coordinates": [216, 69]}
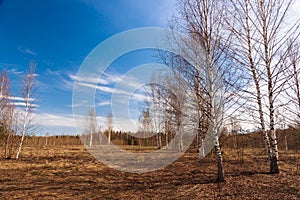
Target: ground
{"type": "Point", "coordinates": [70, 172]}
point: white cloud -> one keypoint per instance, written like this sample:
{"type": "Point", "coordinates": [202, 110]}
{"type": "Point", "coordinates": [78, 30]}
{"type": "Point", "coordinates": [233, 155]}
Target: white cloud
{"type": "Point", "coordinates": [104, 103]}
{"type": "Point", "coordinates": [82, 103]}
{"type": "Point", "coordinates": [46, 119]}
{"type": "Point", "coordinates": [34, 75]}
{"type": "Point", "coordinates": [20, 102]}
{"type": "Point", "coordinates": [17, 98]}
{"type": "Point", "coordinates": [97, 87]}
{"type": "Point", "coordinates": [135, 96]}
{"type": "Point", "coordinates": [88, 79]}
{"type": "Point", "coordinates": [111, 78]}
{"type": "Point", "coordinates": [56, 120]}
{"type": "Point", "coordinates": [58, 123]}
{"type": "Point", "coordinates": [126, 125]}
{"type": "Point", "coordinates": [27, 51]}
{"type": "Point", "coordinates": [52, 73]}
{"type": "Point", "coordinates": [15, 71]}
{"type": "Point", "coordinates": [23, 104]}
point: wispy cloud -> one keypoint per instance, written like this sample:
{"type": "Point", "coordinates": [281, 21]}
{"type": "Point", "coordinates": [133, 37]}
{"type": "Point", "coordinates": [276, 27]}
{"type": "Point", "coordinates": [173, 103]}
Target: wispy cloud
{"type": "Point", "coordinates": [23, 104]}
{"type": "Point", "coordinates": [88, 79]}
{"type": "Point", "coordinates": [59, 122]}
{"type": "Point", "coordinates": [15, 71]}
{"type": "Point", "coordinates": [104, 103]}
{"type": "Point", "coordinates": [105, 79]}
{"type": "Point", "coordinates": [20, 101]}
{"type": "Point", "coordinates": [111, 78]}
{"type": "Point", "coordinates": [98, 87]}
{"type": "Point", "coordinates": [34, 75]}
{"type": "Point", "coordinates": [136, 96]}
{"type": "Point", "coordinates": [52, 73]}
{"type": "Point", "coordinates": [27, 51]}
{"type": "Point", "coordinates": [82, 103]}
{"type": "Point", "coordinates": [17, 98]}
{"type": "Point", "coordinates": [47, 119]}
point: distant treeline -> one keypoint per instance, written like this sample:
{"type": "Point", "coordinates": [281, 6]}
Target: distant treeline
{"type": "Point", "coordinates": [288, 139]}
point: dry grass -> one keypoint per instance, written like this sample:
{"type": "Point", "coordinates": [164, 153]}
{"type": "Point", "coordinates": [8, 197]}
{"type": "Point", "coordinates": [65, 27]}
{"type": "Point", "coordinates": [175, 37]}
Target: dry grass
{"type": "Point", "coordinates": [70, 172]}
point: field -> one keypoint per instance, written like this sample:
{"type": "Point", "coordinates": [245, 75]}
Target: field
{"type": "Point", "coordinates": [70, 172]}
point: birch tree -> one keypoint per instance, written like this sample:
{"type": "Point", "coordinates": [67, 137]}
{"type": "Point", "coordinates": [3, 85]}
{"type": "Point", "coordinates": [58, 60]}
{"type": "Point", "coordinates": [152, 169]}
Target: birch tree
{"type": "Point", "coordinates": [7, 115]}
{"type": "Point", "coordinates": [168, 98]}
{"type": "Point", "coordinates": [92, 125]}
{"type": "Point", "coordinates": [109, 126]}
{"type": "Point", "coordinates": [260, 36]}
{"type": "Point", "coordinates": [293, 92]}
{"type": "Point", "coordinates": [4, 111]}
{"type": "Point", "coordinates": [174, 98]}
{"type": "Point", "coordinates": [157, 107]}
{"type": "Point", "coordinates": [145, 124]}
{"type": "Point", "coordinates": [28, 85]}
{"type": "Point", "coordinates": [212, 74]}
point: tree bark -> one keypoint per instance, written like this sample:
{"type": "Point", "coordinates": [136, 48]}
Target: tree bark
{"type": "Point", "coordinates": [274, 153]}
{"type": "Point", "coordinates": [219, 160]}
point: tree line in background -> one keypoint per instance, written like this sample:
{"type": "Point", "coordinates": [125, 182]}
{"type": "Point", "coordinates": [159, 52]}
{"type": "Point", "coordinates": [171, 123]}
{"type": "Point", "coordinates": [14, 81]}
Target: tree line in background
{"type": "Point", "coordinates": [288, 141]}
{"type": "Point", "coordinates": [16, 112]}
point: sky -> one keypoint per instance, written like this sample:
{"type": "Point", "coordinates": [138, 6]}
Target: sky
{"type": "Point", "coordinates": [58, 35]}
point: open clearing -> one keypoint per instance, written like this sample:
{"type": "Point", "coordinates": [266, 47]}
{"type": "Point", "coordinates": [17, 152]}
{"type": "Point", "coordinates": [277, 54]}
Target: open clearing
{"type": "Point", "coordinates": [70, 172]}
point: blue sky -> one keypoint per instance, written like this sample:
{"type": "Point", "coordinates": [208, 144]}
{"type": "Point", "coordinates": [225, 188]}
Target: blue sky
{"type": "Point", "coordinates": [58, 35]}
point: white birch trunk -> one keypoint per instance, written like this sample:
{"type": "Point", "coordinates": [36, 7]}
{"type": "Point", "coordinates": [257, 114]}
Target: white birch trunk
{"type": "Point", "coordinates": [214, 115]}
{"type": "Point", "coordinates": [274, 153]}
{"type": "Point", "coordinates": [24, 128]}
{"type": "Point", "coordinates": [257, 85]}
{"type": "Point", "coordinates": [167, 138]}
{"type": "Point", "coordinates": [158, 140]}
{"type": "Point", "coordinates": [202, 149]}
{"type": "Point", "coordinates": [91, 139]}
{"type": "Point", "coordinates": [219, 159]}
{"type": "Point", "coordinates": [109, 137]}
{"type": "Point", "coordinates": [28, 84]}
{"type": "Point", "coordinates": [180, 142]}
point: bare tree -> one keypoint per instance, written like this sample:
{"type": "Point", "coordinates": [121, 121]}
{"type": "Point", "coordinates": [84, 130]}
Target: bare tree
{"type": "Point", "coordinates": [168, 98]}
{"type": "Point", "coordinates": [293, 92]}
{"type": "Point", "coordinates": [11, 124]}
{"type": "Point", "coordinates": [7, 115]}
{"type": "Point", "coordinates": [156, 108]}
{"type": "Point", "coordinates": [28, 95]}
{"type": "Point", "coordinates": [208, 70]}
{"type": "Point", "coordinates": [146, 124]}
{"type": "Point", "coordinates": [259, 47]}
{"type": "Point", "coordinates": [109, 126]}
{"type": "Point", "coordinates": [92, 125]}
{"type": "Point", "coordinates": [4, 114]}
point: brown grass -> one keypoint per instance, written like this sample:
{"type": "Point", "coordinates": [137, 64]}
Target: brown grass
{"type": "Point", "coordinates": [70, 172]}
